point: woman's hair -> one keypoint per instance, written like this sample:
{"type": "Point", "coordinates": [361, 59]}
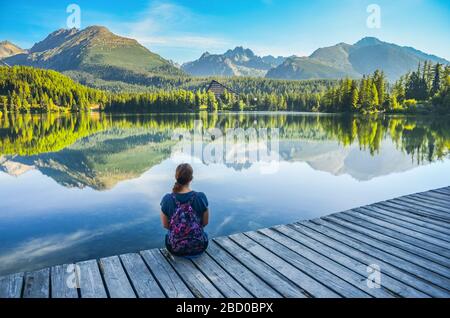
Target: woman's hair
{"type": "Point", "coordinates": [183, 176]}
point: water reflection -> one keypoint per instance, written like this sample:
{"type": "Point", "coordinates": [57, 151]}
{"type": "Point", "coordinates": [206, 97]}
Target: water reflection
{"type": "Point", "coordinates": [80, 187]}
{"type": "Point", "coordinates": [99, 151]}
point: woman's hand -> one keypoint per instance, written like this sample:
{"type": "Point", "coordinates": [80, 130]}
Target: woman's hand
{"type": "Point", "coordinates": [205, 220]}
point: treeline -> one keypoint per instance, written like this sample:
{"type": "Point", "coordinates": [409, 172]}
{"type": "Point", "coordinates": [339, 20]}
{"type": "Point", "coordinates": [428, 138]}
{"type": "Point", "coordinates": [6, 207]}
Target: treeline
{"type": "Point", "coordinates": [202, 100]}
{"type": "Point", "coordinates": [25, 89]}
{"type": "Point", "coordinates": [135, 82]}
{"type": "Point", "coordinates": [423, 138]}
{"type": "Point", "coordinates": [427, 89]}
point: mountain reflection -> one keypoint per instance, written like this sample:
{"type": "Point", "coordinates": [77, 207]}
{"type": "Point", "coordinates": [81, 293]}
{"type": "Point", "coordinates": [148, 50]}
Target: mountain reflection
{"type": "Point", "coordinates": [99, 150]}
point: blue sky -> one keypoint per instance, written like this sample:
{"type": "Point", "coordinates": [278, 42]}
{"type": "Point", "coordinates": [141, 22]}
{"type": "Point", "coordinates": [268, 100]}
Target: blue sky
{"type": "Point", "coordinates": [183, 29]}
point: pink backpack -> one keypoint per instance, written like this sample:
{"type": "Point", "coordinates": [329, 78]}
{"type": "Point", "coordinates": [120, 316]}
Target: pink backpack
{"type": "Point", "coordinates": [186, 235]}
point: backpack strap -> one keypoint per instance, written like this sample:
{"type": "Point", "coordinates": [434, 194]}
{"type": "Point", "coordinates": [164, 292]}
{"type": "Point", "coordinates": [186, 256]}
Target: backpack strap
{"type": "Point", "coordinates": [177, 203]}
{"type": "Point", "coordinates": [194, 195]}
{"type": "Point", "coordinates": [191, 200]}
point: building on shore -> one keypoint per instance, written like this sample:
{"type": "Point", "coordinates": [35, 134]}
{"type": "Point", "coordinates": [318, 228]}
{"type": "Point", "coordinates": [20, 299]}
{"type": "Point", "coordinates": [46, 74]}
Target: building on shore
{"type": "Point", "coordinates": [218, 89]}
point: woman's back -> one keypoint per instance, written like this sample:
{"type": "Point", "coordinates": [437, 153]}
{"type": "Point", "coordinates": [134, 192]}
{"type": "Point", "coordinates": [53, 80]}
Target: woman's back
{"type": "Point", "coordinates": [199, 204]}
{"type": "Point", "coordinates": [185, 213]}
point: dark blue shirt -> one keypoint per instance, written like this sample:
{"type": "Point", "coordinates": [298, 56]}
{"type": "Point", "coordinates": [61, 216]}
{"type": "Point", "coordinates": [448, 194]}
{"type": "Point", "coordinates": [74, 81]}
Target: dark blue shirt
{"type": "Point", "coordinates": [200, 203]}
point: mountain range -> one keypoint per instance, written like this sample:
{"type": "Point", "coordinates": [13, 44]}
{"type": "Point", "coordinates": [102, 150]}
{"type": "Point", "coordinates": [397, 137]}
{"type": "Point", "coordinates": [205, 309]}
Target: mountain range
{"type": "Point", "coordinates": [94, 50]}
{"type": "Point", "coordinates": [237, 62]}
{"type": "Point", "coordinates": [363, 57]}
{"type": "Point", "coordinates": [8, 49]}
{"type": "Point", "coordinates": [97, 53]}
{"type": "Point", "coordinates": [98, 163]}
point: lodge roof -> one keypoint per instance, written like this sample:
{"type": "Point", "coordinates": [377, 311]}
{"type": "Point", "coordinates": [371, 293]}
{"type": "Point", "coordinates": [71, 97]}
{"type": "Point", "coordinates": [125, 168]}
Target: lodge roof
{"type": "Point", "coordinates": [218, 89]}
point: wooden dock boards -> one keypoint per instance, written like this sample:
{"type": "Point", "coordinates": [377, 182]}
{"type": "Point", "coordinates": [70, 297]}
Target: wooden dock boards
{"type": "Point", "coordinates": [11, 286]}
{"type": "Point", "coordinates": [37, 284]}
{"type": "Point", "coordinates": [168, 279]}
{"type": "Point", "coordinates": [198, 283]}
{"type": "Point", "coordinates": [141, 278]}
{"type": "Point", "coordinates": [359, 266]}
{"type": "Point", "coordinates": [407, 237]}
{"type": "Point", "coordinates": [344, 273]}
{"type": "Point", "coordinates": [311, 286]}
{"type": "Point", "coordinates": [334, 283]}
{"type": "Point", "coordinates": [90, 279]}
{"type": "Point", "coordinates": [115, 278]}
{"type": "Point", "coordinates": [64, 281]}
{"type": "Point", "coordinates": [271, 276]}
{"type": "Point", "coordinates": [252, 282]}
{"type": "Point", "coordinates": [224, 282]}
{"type": "Point", "coordinates": [358, 227]}
{"type": "Point", "coordinates": [394, 266]}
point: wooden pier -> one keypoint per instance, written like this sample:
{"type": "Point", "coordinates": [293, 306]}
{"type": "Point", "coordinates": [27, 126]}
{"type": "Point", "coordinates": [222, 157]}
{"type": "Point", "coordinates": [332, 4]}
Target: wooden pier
{"type": "Point", "coordinates": [406, 239]}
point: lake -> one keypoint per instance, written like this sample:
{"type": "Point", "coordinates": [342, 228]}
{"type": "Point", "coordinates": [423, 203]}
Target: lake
{"type": "Point", "coordinates": [80, 187]}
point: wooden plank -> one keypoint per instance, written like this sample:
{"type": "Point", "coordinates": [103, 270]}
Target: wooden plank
{"type": "Point", "coordinates": [339, 270]}
{"type": "Point", "coordinates": [433, 271]}
{"type": "Point", "coordinates": [389, 264]}
{"type": "Point", "coordinates": [434, 196]}
{"type": "Point", "coordinates": [406, 224]}
{"type": "Point", "coordinates": [256, 286]}
{"type": "Point", "coordinates": [438, 197]}
{"type": "Point", "coordinates": [432, 208]}
{"type": "Point", "coordinates": [64, 281]}
{"type": "Point", "coordinates": [140, 276]}
{"type": "Point", "coordinates": [375, 232]}
{"type": "Point", "coordinates": [223, 281]}
{"type": "Point", "coordinates": [357, 265]}
{"type": "Point", "coordinates": [444, 191]}
{"type": "Point", "coordinates": [168, 279]}
{"type": "Point", "coordinates": [424, 223]}
{"type": "Point", "coordinates": [304, 281]}
{"type": "Point", "coordinates": [436, 214]}
{"type": "Point", "coordinates": [427, 242]}
{"type": "Point", "coordinates": [432, 200]}
{"type": "Point", "coordinates": [11, 286]}
{"type": "Point", "coordinates": [432, 223]}
{"type": "Point", "coordinates": [37, 284]}
{"type": "Point", "coordinates": [318, 273]}
{"type": "Point", "coordinates": [115, 278]}
{"type": "Point", "coordinates": [415, 211]}
{"type": "Point", "coordinates": [272, 277]}
{"type": "Point", "coordinates": [91, 283]}
{"type": "Point", "coordinates": [199, 285]}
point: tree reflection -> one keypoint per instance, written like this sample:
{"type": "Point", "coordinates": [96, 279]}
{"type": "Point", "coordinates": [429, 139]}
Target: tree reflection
{"type": "Point", "coordinates": [422, 138]}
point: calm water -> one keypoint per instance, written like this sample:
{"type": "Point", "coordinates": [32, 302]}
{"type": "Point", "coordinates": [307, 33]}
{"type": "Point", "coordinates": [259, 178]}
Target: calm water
{"type": "Point", "coordinates": [76, 188]}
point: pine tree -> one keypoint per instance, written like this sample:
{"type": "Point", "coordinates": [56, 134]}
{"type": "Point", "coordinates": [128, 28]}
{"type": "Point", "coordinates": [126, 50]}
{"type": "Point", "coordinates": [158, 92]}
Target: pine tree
{"type": "Point", "coordinates": [354, 96]}
{"type": "Point", "coordinates": [374, 102]}
{"type": "Point", "coordinates": [436, 86]}
{"type": "Point", "coordinates": [5, 104]}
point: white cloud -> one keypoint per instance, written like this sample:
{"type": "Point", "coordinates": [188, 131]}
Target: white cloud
{"type": "Point", "coordinates": [165, 24]}
{"type": "Point", "coordinates": [44, 246]}
{"type": "Point", "coordinates": [182, 41]}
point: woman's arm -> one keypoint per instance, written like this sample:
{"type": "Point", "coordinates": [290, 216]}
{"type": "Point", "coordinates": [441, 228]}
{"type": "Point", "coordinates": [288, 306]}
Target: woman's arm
{"type": "Point", "coordinates": [164, 221]}
{"type": "Point", "coordinates": [205, 220]}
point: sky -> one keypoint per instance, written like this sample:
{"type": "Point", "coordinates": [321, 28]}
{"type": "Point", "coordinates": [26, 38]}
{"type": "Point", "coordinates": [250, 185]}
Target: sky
{"type": "Point", "coordinates": [181, 30]}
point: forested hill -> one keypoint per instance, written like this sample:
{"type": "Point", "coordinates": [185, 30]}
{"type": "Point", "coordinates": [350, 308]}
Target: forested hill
{"type": "Point", "coordinates": [94, 50]}
{"type": "Point", "coordinates": [24, 88]}
{"type": "Point", "coordinates": [362, 58]}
